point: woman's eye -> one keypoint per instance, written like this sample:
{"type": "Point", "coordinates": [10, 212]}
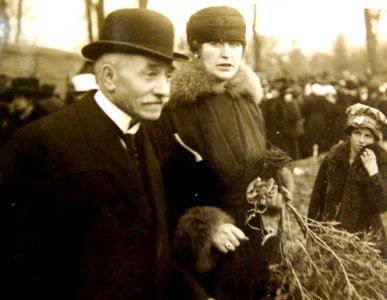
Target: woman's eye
{"type": "Point", "coordinates": [216, 44]}
{"type": "Point", "coordinates": [235, 44]}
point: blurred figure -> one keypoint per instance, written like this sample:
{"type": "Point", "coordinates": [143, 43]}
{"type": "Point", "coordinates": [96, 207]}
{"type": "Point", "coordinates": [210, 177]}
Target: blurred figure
{"type": "Point", "coordinates": [23, 106]}
{"type": "Point", "coordinates": [50, 101]}
{"type": "Point", "coordinates": [81, 83]}
{"type": "Point", "coordinates": [351, 184]}
{"type": "Point", "coordinates": [284, 119]}
{"type": "Point", "coordinates": [5, 81]}
{"type": "Point", "coordinates": [318, 110]}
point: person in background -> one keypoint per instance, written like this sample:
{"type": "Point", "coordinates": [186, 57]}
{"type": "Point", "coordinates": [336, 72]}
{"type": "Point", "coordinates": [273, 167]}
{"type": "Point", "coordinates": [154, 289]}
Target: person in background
{"type": "Point", "coordinates": [49, 100]}
{"type": "Point", "coordinates": [81, 83]}
{"type": "Point", "coordinates": [351, 183]}
{"type": "Point", "coordinates": [23, 106]}
{"type": "Point", "coordinates": [82, 201]}
{"type": "Point", "coordinates": [284, 119]}
{"type": "Point", "coordinates": [5, 82]}
{"type": "Point", "coordinates": [211, 142]}
{"type": "Point", "coordinates": [318, 110]}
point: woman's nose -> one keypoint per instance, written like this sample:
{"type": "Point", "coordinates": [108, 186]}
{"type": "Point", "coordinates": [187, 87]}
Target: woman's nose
{"type": "Point", "coordinates": [226, 50]}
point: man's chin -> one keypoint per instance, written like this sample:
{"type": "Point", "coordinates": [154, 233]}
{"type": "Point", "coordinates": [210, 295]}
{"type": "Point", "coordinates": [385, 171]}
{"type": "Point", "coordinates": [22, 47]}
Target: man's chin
{"type": "Point", "coordinates": [151, 116]}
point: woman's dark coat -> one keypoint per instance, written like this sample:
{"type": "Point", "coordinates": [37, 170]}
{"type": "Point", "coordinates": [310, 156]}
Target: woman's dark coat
{"type": "Point", "coordinates": [347, 194]}
{"type": "Point", "coordinates": [225, 126]}
{"type": "Point", "coordinates": [77, 220]}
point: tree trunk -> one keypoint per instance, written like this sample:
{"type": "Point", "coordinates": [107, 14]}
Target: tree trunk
{"type": "Point", "coordinates": [19, 21]}
{"type": "Point", "coordinates": [142, 3]}
{"type": "Point", "coordinates": [4, 23]}
{"type": "Point", "coordinates": [88, 5]}
{"type": "Point", "coordinates": [257, 43]}
{"type": "Point", "coordinates": [98, 10]}
{"type": "Point", "coordinates": [371, 18]}
{"type": "Point", "coordinates": [100, 15]}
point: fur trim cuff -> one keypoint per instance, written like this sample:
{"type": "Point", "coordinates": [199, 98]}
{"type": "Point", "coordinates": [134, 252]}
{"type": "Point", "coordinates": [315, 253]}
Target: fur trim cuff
{"type": "Point", "coordinates": [192, 244]}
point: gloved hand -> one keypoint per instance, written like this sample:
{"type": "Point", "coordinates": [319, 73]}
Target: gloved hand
{"type": "Point", "coordinates": [266, 194]}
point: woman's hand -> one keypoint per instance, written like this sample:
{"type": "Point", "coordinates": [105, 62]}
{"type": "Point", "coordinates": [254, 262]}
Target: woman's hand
{"type": "Point", "coordinates": [369, 161]}
{"type": "Point", "coordinates": [268, 194]}
{"type": "Point", "coordinates": [228, 237]}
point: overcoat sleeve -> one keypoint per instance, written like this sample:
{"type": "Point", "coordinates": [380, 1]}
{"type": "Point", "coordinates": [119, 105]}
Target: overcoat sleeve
{"type": "Point", "coordinates": [316, 205]}
{"type": "Point", "coordinates": [375, 189]}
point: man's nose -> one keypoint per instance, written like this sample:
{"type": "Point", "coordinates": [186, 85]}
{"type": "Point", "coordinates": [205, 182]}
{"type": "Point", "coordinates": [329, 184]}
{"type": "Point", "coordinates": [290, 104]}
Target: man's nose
{"type": "Point", "coordinates": [162, 86]}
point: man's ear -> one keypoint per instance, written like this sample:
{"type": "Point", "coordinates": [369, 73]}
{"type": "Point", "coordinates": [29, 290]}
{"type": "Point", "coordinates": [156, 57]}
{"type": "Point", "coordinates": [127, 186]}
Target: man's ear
{"type": "Point", "coordinates": [107, 77]}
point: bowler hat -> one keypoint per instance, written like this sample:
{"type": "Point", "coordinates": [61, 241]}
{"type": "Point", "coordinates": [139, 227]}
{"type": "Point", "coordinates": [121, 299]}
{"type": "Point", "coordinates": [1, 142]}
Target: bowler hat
{"type": "Point", "coordinates": [135, 30]}
{"type": "Point", "coordinates": [22, 86]}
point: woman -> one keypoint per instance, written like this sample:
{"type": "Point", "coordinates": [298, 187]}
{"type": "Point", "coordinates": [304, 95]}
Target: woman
{"type": "Point", "coordinates": [351, 184]}
{"type": "Point", "coordinates": [214, 115]}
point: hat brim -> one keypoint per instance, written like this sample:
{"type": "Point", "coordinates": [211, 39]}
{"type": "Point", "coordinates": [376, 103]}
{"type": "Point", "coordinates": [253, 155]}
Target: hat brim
{"type": "Point", "coordinates": [8, 95]}
{"type": "Point", "coordinates": [95, 49]}
{"type": "Point", "coordinates": [377, 133]}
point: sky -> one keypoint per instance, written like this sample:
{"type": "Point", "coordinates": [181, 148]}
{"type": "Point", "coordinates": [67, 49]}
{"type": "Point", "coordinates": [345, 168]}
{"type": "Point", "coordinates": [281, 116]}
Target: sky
{"type": "Point", "coordinates": [312, 24]}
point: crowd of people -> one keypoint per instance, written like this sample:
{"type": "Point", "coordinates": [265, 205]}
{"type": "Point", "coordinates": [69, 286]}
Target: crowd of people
{"type": "Point", "coordinates": [308, 116]}
{"type": "Point", "coordinates": [136, 187]}
{"type": "Point", "coordinates": [23, 100]}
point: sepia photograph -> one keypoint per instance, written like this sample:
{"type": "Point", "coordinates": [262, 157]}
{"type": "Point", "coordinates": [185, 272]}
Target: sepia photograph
{"type": "Point", "coordinates": [193, 149]}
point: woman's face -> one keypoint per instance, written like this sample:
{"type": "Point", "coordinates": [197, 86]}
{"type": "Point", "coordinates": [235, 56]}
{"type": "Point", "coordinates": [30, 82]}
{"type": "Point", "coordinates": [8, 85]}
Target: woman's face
{"type": "Point", "coordinates": [221, 59]}
{"type": "Point", "coordinates": [359, 138]}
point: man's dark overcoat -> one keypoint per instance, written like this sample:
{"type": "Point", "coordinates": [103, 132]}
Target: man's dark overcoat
{"type": "Point", "coordinates": [79, 221]}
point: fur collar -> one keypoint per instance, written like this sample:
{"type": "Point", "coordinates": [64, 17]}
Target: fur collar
{"type": "Point", "coordinates": [190, 81]}
{"type": "Point", "coordinates": [339, 156]}
{"type": "Point", "coordinates": [340, 152]}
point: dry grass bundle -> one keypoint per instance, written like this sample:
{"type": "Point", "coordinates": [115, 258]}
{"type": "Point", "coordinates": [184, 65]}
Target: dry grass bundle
{"type": "Point", "coordinates": [325, 262]}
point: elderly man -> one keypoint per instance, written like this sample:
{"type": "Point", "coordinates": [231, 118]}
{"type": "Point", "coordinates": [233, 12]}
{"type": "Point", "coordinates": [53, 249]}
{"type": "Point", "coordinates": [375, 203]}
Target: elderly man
{"type": "Point", "coordinates": [82, 196]}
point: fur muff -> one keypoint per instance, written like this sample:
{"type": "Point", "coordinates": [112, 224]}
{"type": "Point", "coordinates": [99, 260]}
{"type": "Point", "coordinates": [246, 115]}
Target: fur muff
{"type": "Point", "coordinates": [190, 81]}
{"type": "Point", "coordinates": [192, 244]}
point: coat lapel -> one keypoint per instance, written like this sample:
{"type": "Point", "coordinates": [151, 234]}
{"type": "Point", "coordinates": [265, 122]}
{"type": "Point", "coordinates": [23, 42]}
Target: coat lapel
{"type": "Point", "coordinates": [102, 137]}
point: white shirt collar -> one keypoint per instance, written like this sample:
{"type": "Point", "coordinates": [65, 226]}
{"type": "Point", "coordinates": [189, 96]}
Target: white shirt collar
{"type": "Point", "coordinates": [120, 118]}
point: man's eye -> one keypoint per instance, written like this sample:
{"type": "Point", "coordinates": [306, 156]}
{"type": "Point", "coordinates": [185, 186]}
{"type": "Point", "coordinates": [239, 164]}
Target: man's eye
{"type": "Point", "coordinates": [150, 74]}
{"type": "Point", "coordinates": [168, 75]}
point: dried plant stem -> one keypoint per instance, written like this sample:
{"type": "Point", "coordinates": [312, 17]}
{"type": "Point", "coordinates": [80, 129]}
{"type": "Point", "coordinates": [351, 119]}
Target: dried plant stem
{"type": "Point", "coordinates": [320, 261]}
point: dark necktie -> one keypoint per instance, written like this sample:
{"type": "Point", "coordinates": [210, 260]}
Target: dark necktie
{"type": "Point", "coordinates": [131, 145]}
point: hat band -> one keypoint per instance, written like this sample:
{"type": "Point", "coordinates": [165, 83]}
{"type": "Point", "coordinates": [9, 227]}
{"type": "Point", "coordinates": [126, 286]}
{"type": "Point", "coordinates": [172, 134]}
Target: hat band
{"type": "Point", "coordinates": [363, 121]}
{"type": "Point", "coordinates": [216, 34]}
